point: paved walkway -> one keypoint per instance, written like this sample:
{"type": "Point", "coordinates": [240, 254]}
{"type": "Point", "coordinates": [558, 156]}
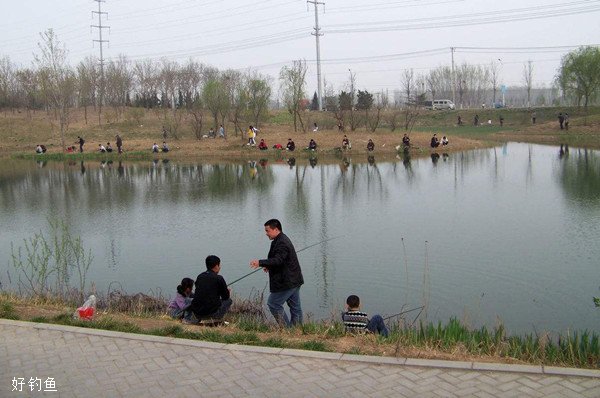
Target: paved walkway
{"type": "Point", "coordinates": [95, 363]}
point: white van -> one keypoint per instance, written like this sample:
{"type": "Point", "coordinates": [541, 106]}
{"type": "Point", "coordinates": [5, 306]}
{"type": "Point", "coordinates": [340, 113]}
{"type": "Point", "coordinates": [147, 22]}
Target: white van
{"type": "Point", "coordinates": [442, 104]}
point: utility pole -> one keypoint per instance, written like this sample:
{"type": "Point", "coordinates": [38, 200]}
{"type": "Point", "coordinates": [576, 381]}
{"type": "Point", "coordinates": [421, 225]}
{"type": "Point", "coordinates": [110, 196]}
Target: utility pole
{"type": "Point", "coordinates": [453, 77]}
{"type": "Point", "coordinates": [318, 33]}
{"type": "Point", "coordinates": [100, 27]}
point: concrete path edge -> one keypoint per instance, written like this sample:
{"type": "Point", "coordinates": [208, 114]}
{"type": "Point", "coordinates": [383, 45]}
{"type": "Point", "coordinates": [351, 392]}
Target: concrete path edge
{"type": "Point", "coordinates": [418, 362]}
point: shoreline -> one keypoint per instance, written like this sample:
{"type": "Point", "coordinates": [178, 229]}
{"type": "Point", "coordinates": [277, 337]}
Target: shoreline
{"type": "Point", "coordinates": [451, 341]}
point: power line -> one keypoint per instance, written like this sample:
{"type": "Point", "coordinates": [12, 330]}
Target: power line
{"type": "Point", "coordinates": [483, 18]}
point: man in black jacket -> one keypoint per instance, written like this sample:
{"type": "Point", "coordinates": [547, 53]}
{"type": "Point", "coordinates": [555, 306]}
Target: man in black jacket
{"type": "Point", "coordinates": [285, 275]}
{"type": "Point", "coordinates": [211, 299]}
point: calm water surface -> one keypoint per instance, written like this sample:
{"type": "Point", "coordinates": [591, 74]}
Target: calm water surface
{"type": "Point", "coordinates": [509, 234]}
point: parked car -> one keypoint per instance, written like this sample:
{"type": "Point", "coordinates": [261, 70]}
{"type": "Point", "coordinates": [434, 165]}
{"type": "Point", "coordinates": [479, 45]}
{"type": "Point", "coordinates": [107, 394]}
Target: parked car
{"type": "Point", "coordinates": [442, 104]}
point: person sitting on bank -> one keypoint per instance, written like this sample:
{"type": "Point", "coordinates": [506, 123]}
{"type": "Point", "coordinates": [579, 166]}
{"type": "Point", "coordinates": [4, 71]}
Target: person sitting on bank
{"type": "Point", "coordinates": [346, 143]}
{"type": "Point", "coordinates": [212, 296]}
{"type": "Point", "coordinates": [290, 145]}
{"type": "Point", "coordinates": [108, 147]}
{"type": "Point", "coordinates": [71, 149]}
{"type": "Point", "coordinates": [101, 148]}
{"type": "Point", "coordinates": [277, 146]}
{"type": "Point", "coordinates": [406, 140]}
{"type": "Point", "coordinates": [182, 300]}
{"type": "Point", "coordinates": [262, 145]}
{"type": "Point", "coordinates": [155, 148]}
{"type": "Point", "coordinates": [370, 145]}
{"type": "Point", "coordinates": [165, 148]}
{"type": "Point", "coordinates": [39, 149]}
{"type": "Point", "coordinates": [356, 321]}
{"type": "Point", "coordinates": [444, 141]}
{"type": "Point", "coordinates": [315, 127]}
{"type": "Point", "coordinates": [312, 145]}
{"type": "Point", "coordinates": [434, 141]}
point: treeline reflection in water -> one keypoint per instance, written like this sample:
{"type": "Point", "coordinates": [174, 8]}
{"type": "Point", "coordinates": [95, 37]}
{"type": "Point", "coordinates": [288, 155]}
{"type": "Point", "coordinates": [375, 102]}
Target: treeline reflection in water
{"type": "Point", "coordinates": [161, 218]}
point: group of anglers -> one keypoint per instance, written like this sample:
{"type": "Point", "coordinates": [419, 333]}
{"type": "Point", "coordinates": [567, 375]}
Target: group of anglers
{"type": "Point", "coordinates": [41, 149]}
{"type": "Point", "coordinates": [312, 144]}
{"type": "Point", "coordinates": [211, 299]}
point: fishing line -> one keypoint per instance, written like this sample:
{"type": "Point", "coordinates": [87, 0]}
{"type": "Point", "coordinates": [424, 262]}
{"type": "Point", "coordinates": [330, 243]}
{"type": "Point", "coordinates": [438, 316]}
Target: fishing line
{"type": "Point", "coordinates": [297, 251]}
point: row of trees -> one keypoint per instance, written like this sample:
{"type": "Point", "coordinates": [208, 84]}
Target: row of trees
{"type": "Point", "coordinates": [193, 88]}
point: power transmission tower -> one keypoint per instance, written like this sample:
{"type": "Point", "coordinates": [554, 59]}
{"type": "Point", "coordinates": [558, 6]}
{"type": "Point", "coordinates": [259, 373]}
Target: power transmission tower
{"type": "Point", "coordinates": [318, 33]}
{"type": "Point", "coordinates": [101, 41]}
{"type": "Point", "coordinates": [453, 77]}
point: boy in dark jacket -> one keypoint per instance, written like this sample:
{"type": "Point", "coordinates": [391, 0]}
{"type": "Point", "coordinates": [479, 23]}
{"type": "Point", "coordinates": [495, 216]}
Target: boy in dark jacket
{"type": "Point", "coordinates": [212, 297]}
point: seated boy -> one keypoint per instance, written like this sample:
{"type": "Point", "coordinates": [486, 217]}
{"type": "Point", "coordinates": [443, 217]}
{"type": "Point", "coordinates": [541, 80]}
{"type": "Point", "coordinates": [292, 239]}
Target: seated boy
{"type": "Point", "coordinates": [356, 321]}
{"type": "Point", "coordinates": [212, 297]}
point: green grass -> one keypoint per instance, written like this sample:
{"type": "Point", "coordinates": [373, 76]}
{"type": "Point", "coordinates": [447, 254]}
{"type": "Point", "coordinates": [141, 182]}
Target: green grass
{"type": "Point", "coordinates": [314, 345]}
{"type": "Point", "coordinates": [7, 311]}
{"type": "Point", "coordinates": [577, 349]}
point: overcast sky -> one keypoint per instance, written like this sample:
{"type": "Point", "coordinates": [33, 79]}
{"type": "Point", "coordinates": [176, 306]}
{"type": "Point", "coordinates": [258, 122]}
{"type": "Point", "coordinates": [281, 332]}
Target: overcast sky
{"type": "Point", "coordinates": [358, 35]}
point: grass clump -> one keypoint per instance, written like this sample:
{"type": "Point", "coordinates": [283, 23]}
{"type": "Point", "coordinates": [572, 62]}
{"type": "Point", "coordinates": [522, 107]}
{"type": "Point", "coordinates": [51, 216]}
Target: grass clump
{"type": "Point", "coordinates": [313, 345]}
{"type": "Point", "coordinates": [7, 311]}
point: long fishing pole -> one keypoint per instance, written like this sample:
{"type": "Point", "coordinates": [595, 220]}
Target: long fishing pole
{"type": "Point", "coordinates": [297, 251]}
{"type": "Point", "coordinates": [404, 312]}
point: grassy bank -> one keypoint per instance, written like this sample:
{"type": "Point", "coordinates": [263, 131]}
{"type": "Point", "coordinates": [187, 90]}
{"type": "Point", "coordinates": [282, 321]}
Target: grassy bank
{"type": "Point", "coordinates": [139, 128]}
{"type": "Point", "coordinates": [449, 341]}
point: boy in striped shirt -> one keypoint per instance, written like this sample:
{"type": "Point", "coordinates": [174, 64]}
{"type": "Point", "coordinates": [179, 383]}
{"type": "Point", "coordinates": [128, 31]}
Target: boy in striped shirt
{"type": "Point", "coordinates": [357, 321]}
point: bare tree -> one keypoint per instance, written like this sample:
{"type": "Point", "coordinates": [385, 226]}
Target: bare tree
{"type": "Point", "coordinates": [59, 78]}
{"type": "Point", "coordinates": [259, 95]}
{"type": "Point", "coordinates": [168, 78]}
{"type": "Point", "coordinates": [494, 77]}
{"type": "Point", "coordinates": [146, 75]}
{"type": "Point", "coordinates": [433, 82]}
{"type": "Point", "coordinates": [197, 112]}
{"type": "Point", "coordinates": [528, 79]}
{"type": "Point", "coordinates": [408, 84]}
{"type": "Point", "coordinates": [118, 82]}
{"type": "Point", "coordinates": [353, 118]}
{"type": "Point", "coordinates": [238, 96]}
{"type": "Point", "coordinates": [216, 98]}
{"type": "Point", "coordinates": [28, 89]}
{"type": "Point", "coordinates": [8, 79]}
{"type": "Point", "coordinates": [88, 77]}
{"type": "Point", "coordinates": [293, 82]}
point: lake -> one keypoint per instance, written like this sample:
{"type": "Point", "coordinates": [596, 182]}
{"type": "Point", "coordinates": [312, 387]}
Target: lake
{"type": "Point", "coordinates": [508, 234]}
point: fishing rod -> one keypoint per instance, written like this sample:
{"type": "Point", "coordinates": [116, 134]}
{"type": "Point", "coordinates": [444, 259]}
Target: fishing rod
{"type": "Point", "coordinates": [404, 312]}
{"type": "Point", "coordinates": [297, 251]}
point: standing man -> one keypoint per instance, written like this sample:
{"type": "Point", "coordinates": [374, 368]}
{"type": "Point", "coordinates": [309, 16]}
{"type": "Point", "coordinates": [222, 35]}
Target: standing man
{"type": "Point", "coordinates": [81, 141]}
{"type": "Point", "coordinates": [212, 297]}
{"type": "Point", "coordinates": [119, 143]}
{"type": "Point", "coordinates": [285, 275]}
{"type": "Point", "coordinates": [561, 120]}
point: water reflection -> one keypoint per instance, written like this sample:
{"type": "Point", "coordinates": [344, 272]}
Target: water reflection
{"type": "Point", "coordinates": [479, 210]}
{"type": "Point", "coordinates": [580, 176]}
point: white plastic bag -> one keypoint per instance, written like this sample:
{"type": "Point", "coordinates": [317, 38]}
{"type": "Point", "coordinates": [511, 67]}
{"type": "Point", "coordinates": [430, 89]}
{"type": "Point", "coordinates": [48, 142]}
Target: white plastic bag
{"type": "Point", "coordinates": [87, 310]}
